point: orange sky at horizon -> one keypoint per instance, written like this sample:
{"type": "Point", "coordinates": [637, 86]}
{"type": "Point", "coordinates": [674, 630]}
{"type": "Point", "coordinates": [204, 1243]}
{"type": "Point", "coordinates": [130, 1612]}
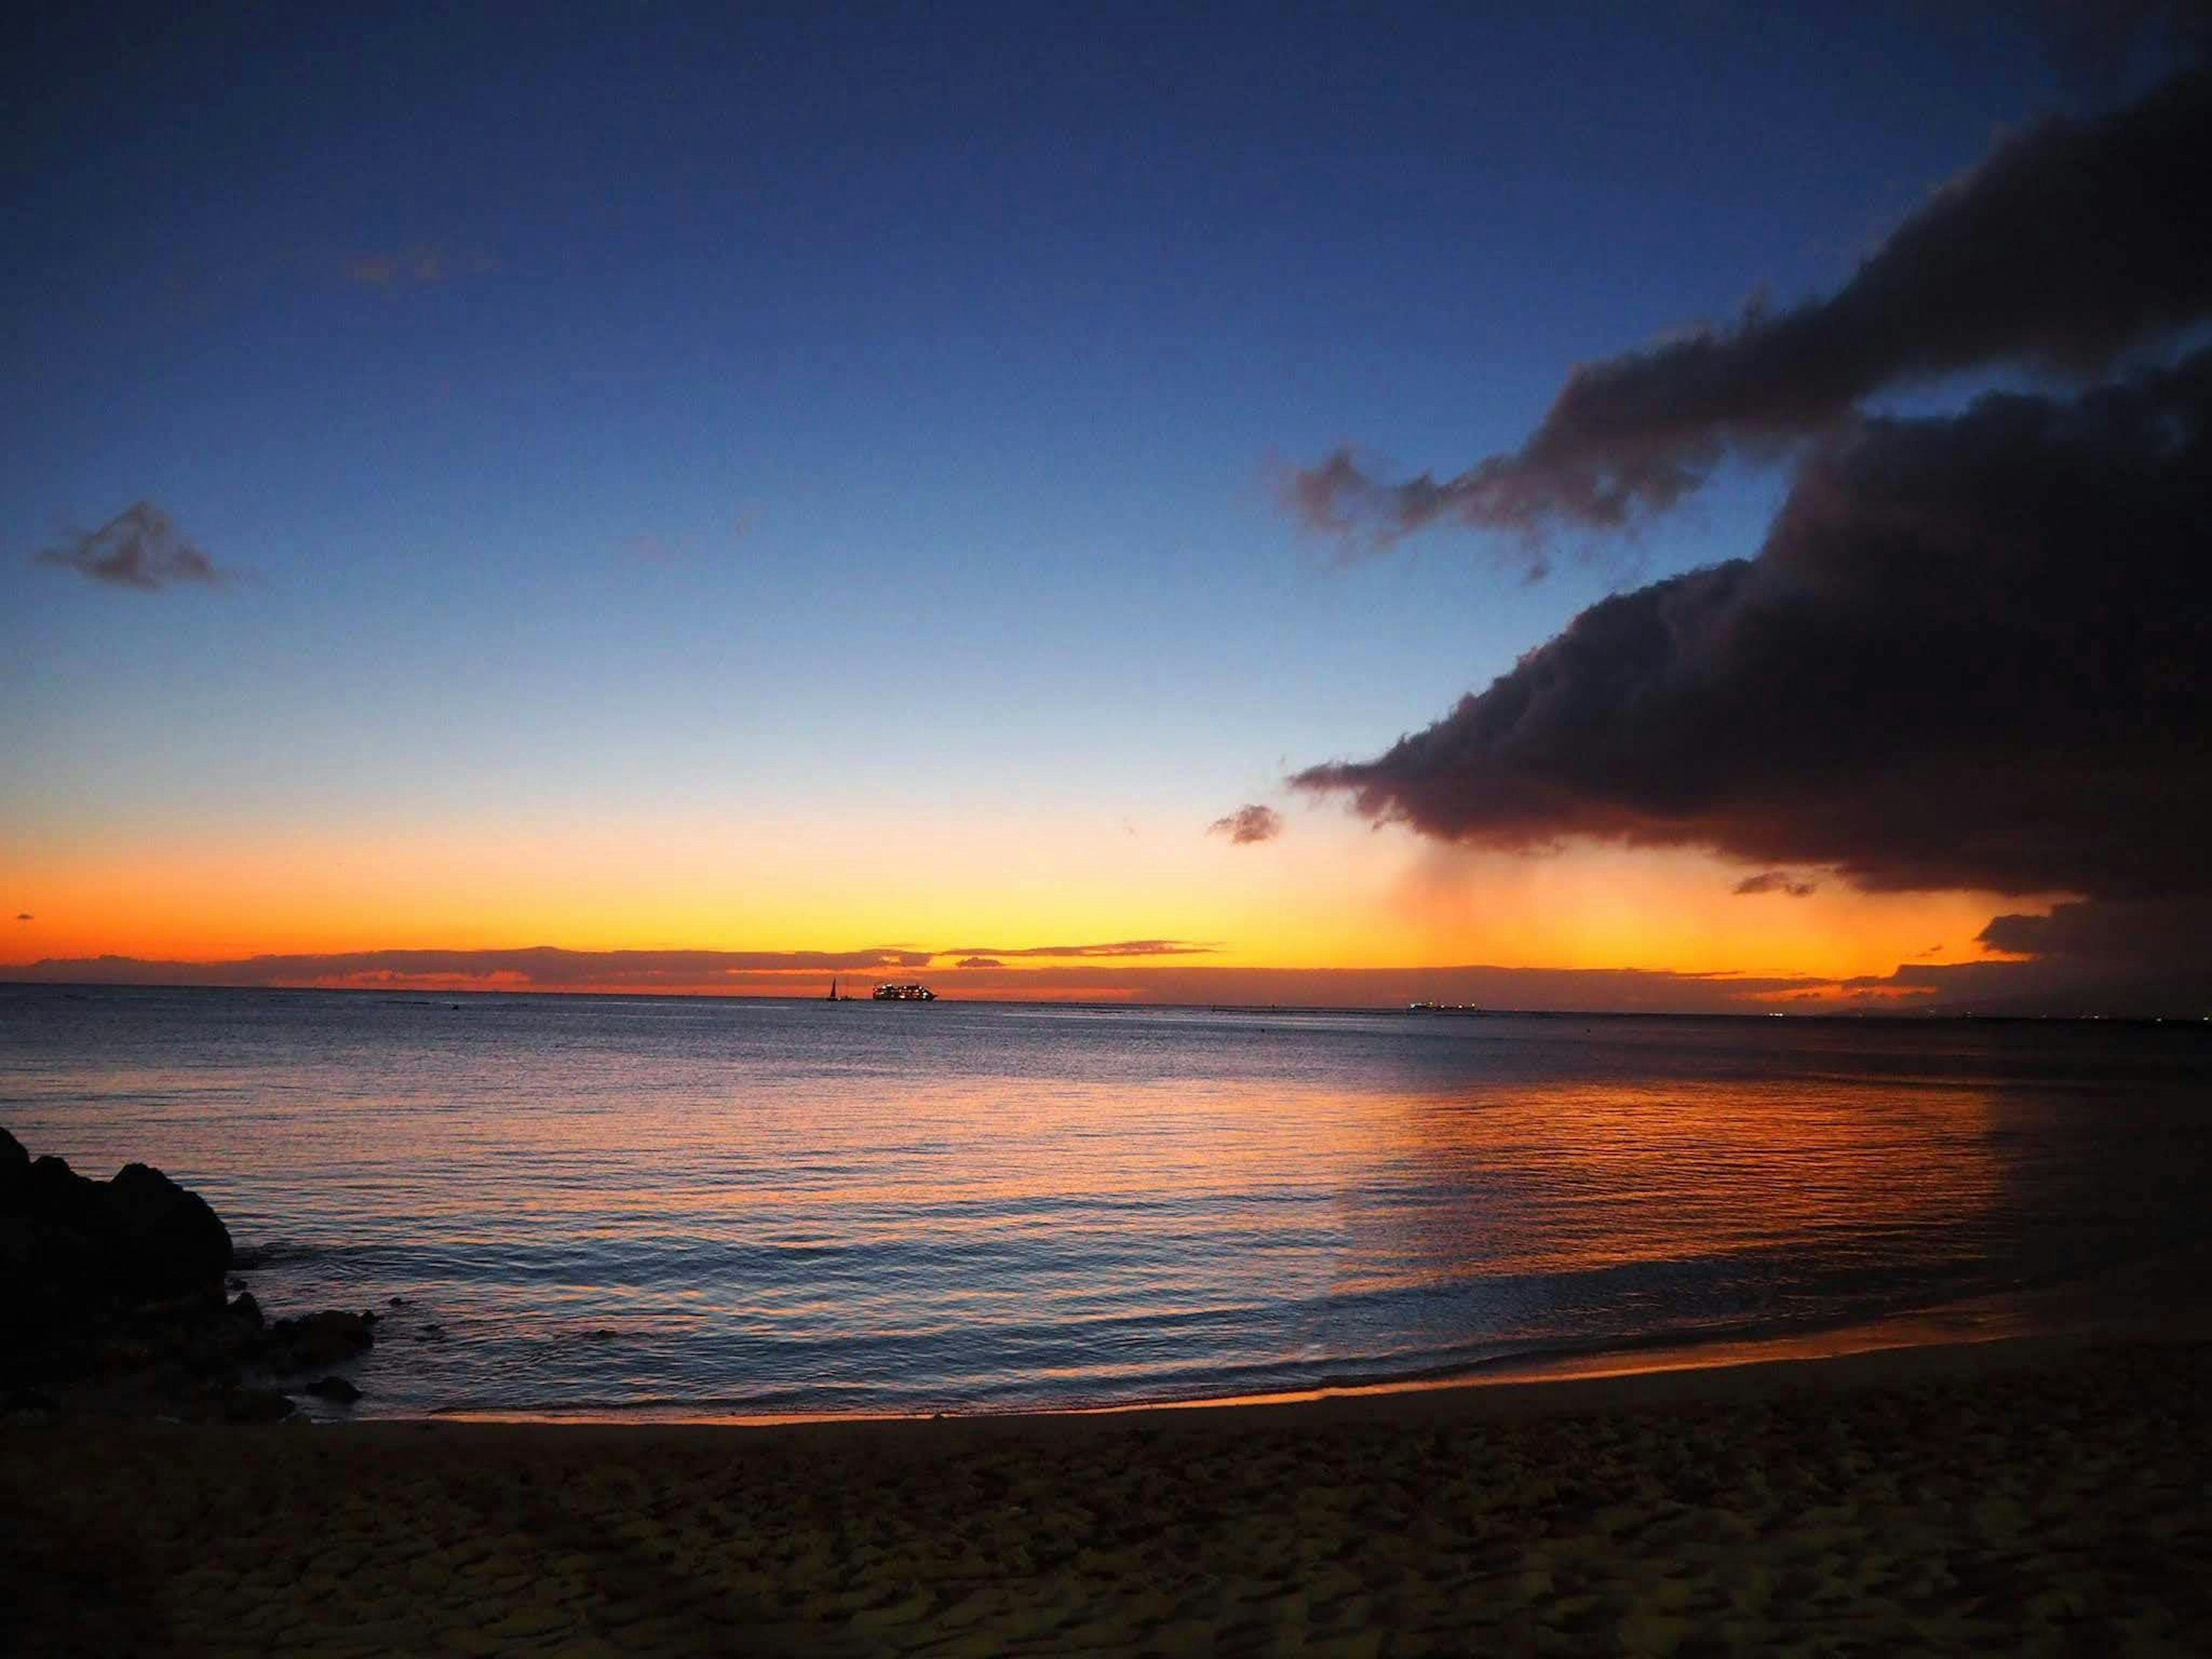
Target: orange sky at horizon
{"type": "Point", "coordinates": [1331, 892]}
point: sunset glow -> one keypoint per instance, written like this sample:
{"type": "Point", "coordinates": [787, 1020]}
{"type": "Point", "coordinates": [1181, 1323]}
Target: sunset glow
{"type": "Point", "coordinates": [1332, 895]}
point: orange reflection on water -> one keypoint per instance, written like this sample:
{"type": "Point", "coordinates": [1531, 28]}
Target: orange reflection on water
{"type": "Point", "coordinates": [1575, 1175]}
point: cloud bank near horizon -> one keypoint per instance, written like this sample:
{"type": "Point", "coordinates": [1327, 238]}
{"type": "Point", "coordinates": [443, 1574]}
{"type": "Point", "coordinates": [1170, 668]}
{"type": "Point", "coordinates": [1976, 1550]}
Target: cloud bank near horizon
{"type": "Point", "coordinates": [2049, 985]}
{"type": "Point", "coordinates": [551, 968]}
{"type": "Point", "coordinates": [801, 973]}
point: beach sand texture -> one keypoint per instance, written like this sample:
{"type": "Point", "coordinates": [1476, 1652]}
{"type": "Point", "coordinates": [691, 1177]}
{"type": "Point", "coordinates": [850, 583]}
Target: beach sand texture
{"type": "Point", "coordinates": [2019, 1500]}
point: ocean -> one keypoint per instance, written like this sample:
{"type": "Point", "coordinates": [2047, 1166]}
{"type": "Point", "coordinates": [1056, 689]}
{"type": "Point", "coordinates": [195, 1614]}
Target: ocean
{"type": "Point", "coordinates": [700, 1207]}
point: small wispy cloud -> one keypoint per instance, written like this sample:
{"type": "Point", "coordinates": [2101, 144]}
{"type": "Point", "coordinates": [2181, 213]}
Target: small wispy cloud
{"type": "Point", "coordinates": [1248, 824]}
{"type": "Point", "coordinates": [416, 267]}
{"type": "Point", "coordinates": [1777, 881]}
{"type": "Point", "coordinates": [25, 915]}
{"type": "Point", "coordinates": [979, 961]}
{"type": "Point", "coordinates": [140, 547]}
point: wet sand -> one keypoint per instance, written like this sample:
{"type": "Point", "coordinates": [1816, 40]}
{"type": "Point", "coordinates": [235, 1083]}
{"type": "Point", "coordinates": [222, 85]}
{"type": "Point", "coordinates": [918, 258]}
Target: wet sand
{"type": "Point", "coordinates": [2016, 1497]}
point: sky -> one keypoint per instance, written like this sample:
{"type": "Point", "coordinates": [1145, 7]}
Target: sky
{"type": "Point", "coordinates": [1278, 504]}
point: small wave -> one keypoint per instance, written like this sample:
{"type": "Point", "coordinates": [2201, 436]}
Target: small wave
{"type": "Point", "coordinates": [275, 1252]}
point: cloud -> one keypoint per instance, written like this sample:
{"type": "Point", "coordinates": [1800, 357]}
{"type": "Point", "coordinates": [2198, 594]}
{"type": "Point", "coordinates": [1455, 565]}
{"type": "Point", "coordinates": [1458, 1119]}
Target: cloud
{"type": "Point", "coordinates": [25, 915]}
{"type": "Point", "coordinates": [536, 968]}
{"type": "Point", "coordinates": [1546, 990]}
{"type": "Point", "coordinates": [1776, 881]}
{"type": "Point", "coordinates": [1248, 824]}
{"type": "Point", "coordinates": [2090, 956]}
{"type": "Point", "coordinates": [1975, 653]}
{"type": "Point", "coordinates": [2111, 935]}
{"type": "Point", "coordinates": [140, 547]}
{"type": "Point", "coordinates": [1127, 947]}
{"type": "Point", "coordinates": [548, 968]}
{"type": "Point", "coordinates": [416, 267]}
{"type": "Point", "coordinates": [2071, 242]}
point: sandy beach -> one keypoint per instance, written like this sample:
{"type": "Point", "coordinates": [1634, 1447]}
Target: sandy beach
{"type": "Point", "coordinates": [2026, 1496]}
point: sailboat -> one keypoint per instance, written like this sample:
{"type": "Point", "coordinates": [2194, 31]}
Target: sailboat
{"type": "Point", "coordinates": [834, 997]}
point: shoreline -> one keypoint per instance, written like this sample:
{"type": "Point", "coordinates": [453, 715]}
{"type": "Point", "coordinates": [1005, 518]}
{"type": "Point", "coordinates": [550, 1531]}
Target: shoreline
{"type": "Point", "coordinates": [2052, 1318]}
{"type": "Point", "coordinates": [1737, 1378]}
{"type": "Point", "coordinates": [1962, 1325]}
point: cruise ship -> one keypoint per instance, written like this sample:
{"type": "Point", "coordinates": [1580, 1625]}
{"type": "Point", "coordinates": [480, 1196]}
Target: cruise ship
{"type": "Point", "coordinates": [904, 994]}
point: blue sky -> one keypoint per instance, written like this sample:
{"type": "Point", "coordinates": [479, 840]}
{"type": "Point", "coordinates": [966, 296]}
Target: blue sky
{"type": "Point", "coordinates": [861, 408]}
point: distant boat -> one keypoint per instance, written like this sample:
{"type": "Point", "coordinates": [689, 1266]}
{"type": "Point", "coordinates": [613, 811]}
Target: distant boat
{"type": "Point", "coordinates": [904, 994]}
{"type": "Point", "coordinates": [834, 997]}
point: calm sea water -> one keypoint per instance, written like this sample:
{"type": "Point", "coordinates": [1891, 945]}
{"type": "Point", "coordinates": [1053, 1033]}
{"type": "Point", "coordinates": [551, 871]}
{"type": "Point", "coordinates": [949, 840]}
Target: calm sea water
{"type": "Point", "coordinates": [703, 1207]}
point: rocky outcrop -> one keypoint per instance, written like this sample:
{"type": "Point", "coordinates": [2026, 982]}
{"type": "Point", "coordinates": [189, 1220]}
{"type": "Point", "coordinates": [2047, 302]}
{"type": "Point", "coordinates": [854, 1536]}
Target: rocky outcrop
{"type": "Point", "coordinates": [170, 1241]}
{"type": "Point", "coordinates": [76, 1245]}
{"type": "Point", "coordinates": [118, 1300]}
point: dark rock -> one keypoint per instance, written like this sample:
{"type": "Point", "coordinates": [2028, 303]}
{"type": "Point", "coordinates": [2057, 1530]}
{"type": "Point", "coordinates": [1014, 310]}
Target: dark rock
{"type": "Point", "coordinates": [118, 1305]}
{"type": "Point", "coordinates": [333, 1388]}
{"type": "Point", "coordinates": [172, 1240]}
{"type": "Point", "coordinates": [255, 1406]}
{"type": "Point", "coordinates": [58, 1245]}
{"type": "Point", "coordinates": [53, 1193]}
{"type": "Point", "coordinates": [318, 1340]}
{"type": "Point", "coordinates": [138, 1236]}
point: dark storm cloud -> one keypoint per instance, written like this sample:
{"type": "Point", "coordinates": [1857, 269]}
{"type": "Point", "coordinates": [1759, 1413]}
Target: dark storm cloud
{"type": "Point", "coordinates": [2092, 956]}
{"type": "Point", "coordinates": [1776, 881]}
{"type": "Point", "coordinates": [2072, 241]}
{"type": "Point", "coordinates": [2112, 931]}
{"type": "Point", "coordinates": [139, 547]}
{"type": "Point", "coordinates": [1974, 652]}
{"type": "Point", "coordinates": [1248, 824]}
